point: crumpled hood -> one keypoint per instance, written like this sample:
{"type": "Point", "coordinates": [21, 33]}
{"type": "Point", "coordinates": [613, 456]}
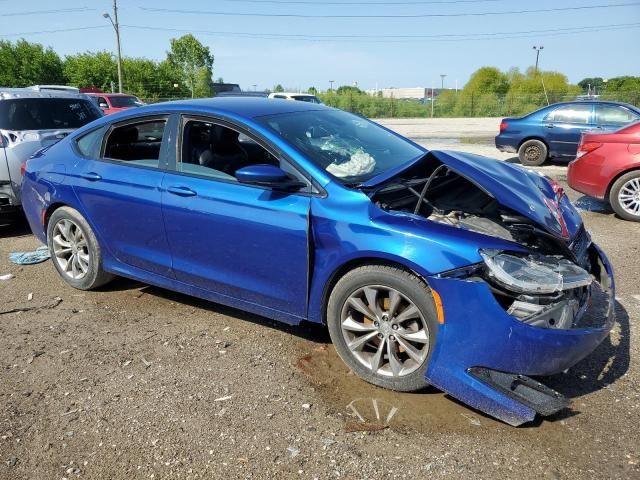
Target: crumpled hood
{"type": "Point", "coordinates": [521, 190]}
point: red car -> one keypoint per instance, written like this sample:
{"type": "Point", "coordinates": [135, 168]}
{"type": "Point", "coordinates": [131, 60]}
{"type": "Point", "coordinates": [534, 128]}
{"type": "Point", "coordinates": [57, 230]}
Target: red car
{"type": "Point", "coordinates": [607, 166]}
{"type": "Point", "coordinates": [115, 102]}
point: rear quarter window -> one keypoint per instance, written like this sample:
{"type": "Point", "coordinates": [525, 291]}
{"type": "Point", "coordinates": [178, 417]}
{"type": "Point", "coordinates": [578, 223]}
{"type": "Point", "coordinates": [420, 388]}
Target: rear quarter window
{"type": "Point", "coordinates": [89, 144]}
{"type": "Point", "coordinates": [46, 113]}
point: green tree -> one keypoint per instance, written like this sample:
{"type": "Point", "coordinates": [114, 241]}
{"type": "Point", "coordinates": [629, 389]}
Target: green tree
{"type": "Point", "coordinates": [195, 61]}
{"type": "Point", "coordinates": [312, 90]}
{"type": "Point", "coordinates": [278, 88]}
{"type": "Point", "coordinates": [90, 69]}
{"type": "Point", "coordinates": [25, 64]}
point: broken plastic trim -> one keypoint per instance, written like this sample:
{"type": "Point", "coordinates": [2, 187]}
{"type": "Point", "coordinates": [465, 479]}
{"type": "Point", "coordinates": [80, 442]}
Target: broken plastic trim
{"type": "Point", "coordinates": [523, 389]}
{"type": "Point", "coordinates": [534, 274]}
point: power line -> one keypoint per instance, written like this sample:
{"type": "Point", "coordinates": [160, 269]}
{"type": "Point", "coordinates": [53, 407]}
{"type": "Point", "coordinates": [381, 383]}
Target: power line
{"type": "Point", "coordinates": [464, 36]}
{"type": "Point", "coordinates": [58, 30]}
{"type": "Point", "coordinates": [420, 15]}
{"type": "Point", "coordinates": [385, 4]}
{"type": "Point", "coordinates": [47, 12]}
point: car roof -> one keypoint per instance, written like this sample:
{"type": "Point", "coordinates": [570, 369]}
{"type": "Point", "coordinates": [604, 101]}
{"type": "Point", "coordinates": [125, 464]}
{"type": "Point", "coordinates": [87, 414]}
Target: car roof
{"type": "Point", "coordinates": [105, 94]}
{"type": "Point", "coordinates": [292, 94]}
{"type": "Point", "coordinates": [12, 93]}
{"type": "Point", "coordinates": [590, 101]}
{"type": "Point", "coordinates": [248, 107]}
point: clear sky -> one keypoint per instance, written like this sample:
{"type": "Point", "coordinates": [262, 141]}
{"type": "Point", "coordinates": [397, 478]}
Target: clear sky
{"type": "Point", "coordinates": [401, 44]}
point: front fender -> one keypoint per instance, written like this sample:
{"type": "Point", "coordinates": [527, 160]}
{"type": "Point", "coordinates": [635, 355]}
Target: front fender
{"type": "Point", "coordinates": [353, 229]}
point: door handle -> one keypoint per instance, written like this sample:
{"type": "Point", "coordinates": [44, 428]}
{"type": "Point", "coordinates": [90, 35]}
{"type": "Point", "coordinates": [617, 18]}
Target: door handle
{"type": "Point", "coordinates": [182, 191]}
{"type": "Point", "coordinates": [91, 176]}
{"type": "Point", "coordinates": [549, 125]}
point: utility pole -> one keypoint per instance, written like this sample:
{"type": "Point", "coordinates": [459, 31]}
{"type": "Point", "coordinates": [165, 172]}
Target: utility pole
{"type": "Point", "coordinates": [538, 50]}
{"type": "Point", "coordinates": [432, 100]}
{"type": "Point", "coordinates": [331, 83]}
{"type": "Point", "coordinates": [116, 27]}
{"type": "Point", "coordinates": [442, 77]}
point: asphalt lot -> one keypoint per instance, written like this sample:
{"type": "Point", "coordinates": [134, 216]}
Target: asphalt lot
{"type": "Point", "coordinates": [133, 381]}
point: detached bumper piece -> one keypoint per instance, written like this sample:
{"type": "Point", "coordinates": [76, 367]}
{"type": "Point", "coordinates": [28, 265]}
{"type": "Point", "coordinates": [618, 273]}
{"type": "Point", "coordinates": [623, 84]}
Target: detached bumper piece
{"type": "Point", "coordinates": [525, 390]}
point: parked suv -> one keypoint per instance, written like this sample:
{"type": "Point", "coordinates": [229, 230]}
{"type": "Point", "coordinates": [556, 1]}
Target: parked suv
{"type": "Point", "coordinates": [30, 119]}
{"type": "Point", "coordinates": [554, 131]}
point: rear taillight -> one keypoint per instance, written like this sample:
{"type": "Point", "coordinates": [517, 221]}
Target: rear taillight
{"type": "Point", "coordinates": [587, 147]}
{"type": "Point", "coordinates": [503, 126]}
{"type": "Point", "coordinates": [23, 168]}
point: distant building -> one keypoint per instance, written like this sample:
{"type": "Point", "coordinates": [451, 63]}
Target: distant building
{"type": "Point", "coordinates": [409, 93]}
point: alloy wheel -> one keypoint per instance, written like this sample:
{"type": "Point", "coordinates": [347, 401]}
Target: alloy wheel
{"type": "Point", "coordinates": [70, 249]}
{"type": "Point", "coordinates": [385, 331]}
{"type": "Point", "coordinates": [629, 196]}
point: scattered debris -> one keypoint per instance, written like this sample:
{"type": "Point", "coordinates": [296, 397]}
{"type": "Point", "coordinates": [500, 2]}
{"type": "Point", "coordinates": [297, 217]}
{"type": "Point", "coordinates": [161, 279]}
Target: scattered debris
{"type": "Point", "coordinates": [147, 364]}
{"type": "Point", "coordinates": [40, 254]}
{"type": "Point", "coordinates": [306, 406]}
{"type": "Point", "coordinates": [30, 296]}
{"type": "Point", "coordinates": [293, 451]}
{"type": "Point", "coordinates": [351, 427]}
{"type": "Point", "coordinates": [7, 276]}
{"type": "Point", "coordinates": [222, 399]}
{"type": "Point", "coordinates": [125, 364]}
{"type": "Point", "coordinates": [56, 301]}
{"type": "Point", "coordinates": [472, 420]}
{"type": "Point", "coordinates": [35, 355]}
{"type": "Point", "coordinates": [69, 412]}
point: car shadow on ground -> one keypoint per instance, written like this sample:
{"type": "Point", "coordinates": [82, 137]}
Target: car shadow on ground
{"type": "Point", "coordinates": [604, 366]}
{"type": "Point", "coordinates": [313, 332]}
{"type": "Point", "coordinates": [15, 228]}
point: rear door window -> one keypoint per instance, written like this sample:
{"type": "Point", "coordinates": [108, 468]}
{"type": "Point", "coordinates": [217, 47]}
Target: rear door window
{"type": "Point", "coordinates": [137, 143]}
{"type": "Point", "coordinates": [613, 115]}
{"type": "Point", "coordinates": [579, 114]}
{"type": "Point", "coordinates": [46, 113]}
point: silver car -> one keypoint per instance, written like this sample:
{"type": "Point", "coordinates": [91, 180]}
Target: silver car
{"type": "Point", "coordinates": [30, 119]}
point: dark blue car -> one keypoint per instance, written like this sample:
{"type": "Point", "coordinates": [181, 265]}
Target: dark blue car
{"type": "Point", "coordinates": [554, 131]}
{"type": "Point", "coordinates": [427, 267]}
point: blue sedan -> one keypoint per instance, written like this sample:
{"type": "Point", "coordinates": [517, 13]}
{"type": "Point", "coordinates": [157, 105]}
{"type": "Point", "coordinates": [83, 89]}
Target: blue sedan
{"type": "Point", "coordinates": [555, 131]}
{"type": "Point", "coordinates": [427, 267]}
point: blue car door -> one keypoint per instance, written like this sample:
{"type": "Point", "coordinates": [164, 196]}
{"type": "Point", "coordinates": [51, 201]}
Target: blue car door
{"type": "Point", "coordinates": [246, 245]}
{"type": "Point", "coordinates": [612, 117]}
{"type": "Point", "coordinates": [118, 188]}
{"type": "Point", "coordinates": [564, 126]}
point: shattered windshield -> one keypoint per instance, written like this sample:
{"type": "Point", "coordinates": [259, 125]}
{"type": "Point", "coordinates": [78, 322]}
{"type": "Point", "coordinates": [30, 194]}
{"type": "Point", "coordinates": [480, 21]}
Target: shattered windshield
{"type": "Point", "coordinates": [349, 147]}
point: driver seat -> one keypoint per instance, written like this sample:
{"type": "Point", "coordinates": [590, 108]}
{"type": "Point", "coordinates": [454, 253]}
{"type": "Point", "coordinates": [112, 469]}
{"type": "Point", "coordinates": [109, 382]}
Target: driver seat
{"type": "Point", "coordinates": [225, 153]}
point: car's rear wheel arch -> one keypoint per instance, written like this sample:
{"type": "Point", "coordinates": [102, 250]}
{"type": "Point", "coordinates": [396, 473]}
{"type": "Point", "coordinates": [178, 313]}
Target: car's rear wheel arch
{"type": "Point", "coordinates": [49, 211]}
{"type": "Point", "coordinates": [615, 179]}
{"type": "Point", "coordinates": [540, 139]}
{"type": "Point", "coordinates": [355, 263]}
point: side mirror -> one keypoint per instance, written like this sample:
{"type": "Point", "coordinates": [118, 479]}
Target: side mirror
{"type": "Point", "coordinates": [267, 176]}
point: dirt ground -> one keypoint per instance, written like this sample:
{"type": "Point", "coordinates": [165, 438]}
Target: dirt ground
{"type": "Point", "coordinates": [133, 381]}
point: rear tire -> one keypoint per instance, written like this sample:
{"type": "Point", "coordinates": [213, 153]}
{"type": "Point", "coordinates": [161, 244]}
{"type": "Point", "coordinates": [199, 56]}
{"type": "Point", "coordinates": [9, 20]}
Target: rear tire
{"type": "Point", "coordinates": [395, 339]}
{"type": "Point", "coordinates": [75, 251]}
{"type": "Point", "coordinates": [532, 153]}
{"type": "Point", "coordinates": [624, 196]}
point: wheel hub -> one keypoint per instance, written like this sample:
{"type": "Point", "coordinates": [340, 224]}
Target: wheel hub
{"type": "Point", "coordinates": [385, 331]}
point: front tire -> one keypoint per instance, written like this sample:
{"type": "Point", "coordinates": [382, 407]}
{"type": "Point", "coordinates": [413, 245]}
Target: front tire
{"type": "Point", "coordinates": [624, 196]}
{"type": "Point", "coordinates": [75, 251]}
{"type": "Point", "coordinates": [532, 153]}
{"type": "Point", "coordinates": [383, 323]}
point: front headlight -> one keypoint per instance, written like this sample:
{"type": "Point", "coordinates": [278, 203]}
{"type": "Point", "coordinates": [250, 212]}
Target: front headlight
{"type": "Point", "coordinates": [534, 274]}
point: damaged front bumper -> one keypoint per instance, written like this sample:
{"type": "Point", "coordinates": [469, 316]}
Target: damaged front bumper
{"type": "Point", "coordinates": [484, 355]}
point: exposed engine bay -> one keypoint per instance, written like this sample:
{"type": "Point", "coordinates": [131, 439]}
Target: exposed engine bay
{"type": "Point", "coordinates": [548, 288]}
